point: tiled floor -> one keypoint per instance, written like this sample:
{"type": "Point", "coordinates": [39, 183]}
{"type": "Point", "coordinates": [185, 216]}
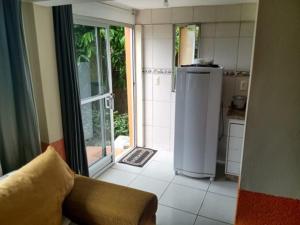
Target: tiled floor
{"type": "Point", "coordinates": [182, 200]}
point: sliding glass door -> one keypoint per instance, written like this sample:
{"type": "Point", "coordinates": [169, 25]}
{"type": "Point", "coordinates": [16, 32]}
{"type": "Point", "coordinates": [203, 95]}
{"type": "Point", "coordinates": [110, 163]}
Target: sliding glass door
{"type": "Point", "coordinates": [95, 84]}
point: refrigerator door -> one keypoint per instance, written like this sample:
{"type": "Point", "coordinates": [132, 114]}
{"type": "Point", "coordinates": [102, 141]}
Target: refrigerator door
{"type": "Point", "coordinates": [198, 96]}
{"type": "Point", "coordinates": [195, 117]}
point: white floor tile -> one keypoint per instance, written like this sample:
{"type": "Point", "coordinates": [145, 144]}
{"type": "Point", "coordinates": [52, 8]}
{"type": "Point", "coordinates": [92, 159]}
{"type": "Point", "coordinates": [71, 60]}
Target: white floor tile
{"type": "Point", "coordinates": [117, 177]}
{"type": "Point", "coordinates": [183, 198]}
{"type": "Point", "coordinates": [149, 184]}
{"type": "Point", "coordinates": [205, 221]}
{"type": "Point", "coordinates": [164, 157]}
{"type": "Point", "coordinates": [169, 216]}
{"type": "Point", "coordinates": [219, 207]}
{"type": "Point", "coordinates": [191, 182]}
{"type": "Point", "coordinates": [128, 168]}
{"type": "Point", "coordinates": [159, 170]}
{"type": "Point", "coordinates": [161, 138]}
{"type": "Point", "coordinates": [224, 187]}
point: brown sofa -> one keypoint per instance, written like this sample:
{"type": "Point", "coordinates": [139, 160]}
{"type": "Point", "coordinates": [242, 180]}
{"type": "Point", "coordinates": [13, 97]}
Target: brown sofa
{"type": "Point", "coordinates": [45, 190]}
{"type": "Point", "coordinates": [101, 203]}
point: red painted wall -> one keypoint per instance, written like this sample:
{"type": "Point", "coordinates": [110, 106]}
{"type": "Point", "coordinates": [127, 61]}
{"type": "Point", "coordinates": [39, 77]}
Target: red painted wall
{"type": "Point", "coordinates": [261, 209]}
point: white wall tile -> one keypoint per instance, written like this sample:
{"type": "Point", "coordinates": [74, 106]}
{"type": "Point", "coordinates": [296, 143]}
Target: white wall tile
{"type": "Point", "coordinates": [162, 53]}
{"type": "Point", "coordinates": [147, 53]}
{"type": "Point", "coordinates": [208, 30]}
{"type": "Point", "coordinates": [161, 114]}
{"type": "Point", "coordinates": [204, 14]}
{"type": "Point", "coordinates": [227, 29]}
{"type": "Point", "coordinates": [173, 97]}
{"type": "Point", "coordinates": [226, 52]}
{"type": "Point", "coordinates": [182, 15]}
{"type": "Point", "coordinates": [161, 16]}
{"type": "Point", "coordinates": [147, 31]}
{"type": "Point", "coordinates": [228, 90]}
{"type": "Point", "coordinates": [244, 54]}
{"type": "Point", "coordinates": [159, 101]}
{"type": "Point", "coordinates": [162, 87]}
{"type": "Point", "coordinates": [148, 136]}
{"type": "Point", "coordinates": [248, 12]}
{"type": "Point", "coordinates": [161, 138]}
{"type": "Point", "coordinates": [148, 87]}
{"type": "Point", "coordinates": [163, 31]}
{"type": "Point", "coordinates": [227, 13]}
{"type": "Point", "coordinates": [207, 48]}
{"type": "Point", "coordinates": [247, 29]}
{"type": "Point", "coordinates": [143, 16]}
{"type": "Point", "coordinates": [238, 80]}
{"type": "Point", "coordinates": [148, 113]}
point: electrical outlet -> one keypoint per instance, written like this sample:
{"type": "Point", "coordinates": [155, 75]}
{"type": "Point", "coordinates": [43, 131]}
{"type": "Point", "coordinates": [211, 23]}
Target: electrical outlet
{"type": "Point", "coordinates": [243, 85]}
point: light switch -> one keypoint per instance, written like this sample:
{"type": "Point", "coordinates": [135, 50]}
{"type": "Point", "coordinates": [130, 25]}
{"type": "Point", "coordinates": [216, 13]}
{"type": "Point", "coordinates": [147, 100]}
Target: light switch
{"type": "Point", "coordinates": [243, 85]}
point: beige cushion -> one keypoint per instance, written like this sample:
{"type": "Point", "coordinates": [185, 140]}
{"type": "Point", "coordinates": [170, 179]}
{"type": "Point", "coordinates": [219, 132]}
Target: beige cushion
{"type": "Point", "coordinates": [33, 195]}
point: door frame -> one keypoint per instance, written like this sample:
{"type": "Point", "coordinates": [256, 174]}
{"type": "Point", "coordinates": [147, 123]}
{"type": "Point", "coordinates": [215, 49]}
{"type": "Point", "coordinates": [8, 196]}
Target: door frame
{"type": "Point", "coordinates": [100, 164]}
{"type": "Point", "coordinates": [105, 163]}
{"type": "Point", "coordinates": [134, 92]}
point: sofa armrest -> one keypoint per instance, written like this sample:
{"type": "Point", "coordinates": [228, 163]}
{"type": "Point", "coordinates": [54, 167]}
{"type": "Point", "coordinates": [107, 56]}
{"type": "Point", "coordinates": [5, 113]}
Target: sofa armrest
{"type": "Point", "coordinates": [93, 202]}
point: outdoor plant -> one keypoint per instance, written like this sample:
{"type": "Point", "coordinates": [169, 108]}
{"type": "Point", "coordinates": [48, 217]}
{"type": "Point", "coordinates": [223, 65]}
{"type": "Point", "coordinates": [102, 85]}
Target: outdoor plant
{"type": "Point", "coordinates": [118, 61]}
{"type": "Point", "coordinates": [84, 43]}
{"type": "Point", "coordinates": [121, 124]}
{"type": "Point", "coordinates": [85, 47]}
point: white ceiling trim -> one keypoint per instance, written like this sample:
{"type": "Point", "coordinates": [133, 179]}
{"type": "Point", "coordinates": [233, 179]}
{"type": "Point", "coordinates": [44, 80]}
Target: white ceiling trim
{"type": "Point", "coordinates": [154, 4]}
{"type": "Point", "coordinates": [143, 4]}
{"type": "Point", "coordinates": [104, 11]}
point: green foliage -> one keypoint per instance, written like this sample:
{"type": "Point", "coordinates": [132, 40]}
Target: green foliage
{"type": "Point", "coordinates": [84, 42]}
{"type": "Point", "coordinates": [121, 124]}
{"type": "Point", "coordinates": [118, 60]}
{"type": "Point", "coordinates": [85, 47]}
{"type": "Point", "coordinates": [177, 36]}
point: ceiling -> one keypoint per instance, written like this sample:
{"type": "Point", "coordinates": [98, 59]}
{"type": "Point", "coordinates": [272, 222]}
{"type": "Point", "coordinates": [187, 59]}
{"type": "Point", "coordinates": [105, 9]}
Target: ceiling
{"type": "Point", "coordinates": [152, 4]}
{"type": "Point", "coordinates": [145, 4]}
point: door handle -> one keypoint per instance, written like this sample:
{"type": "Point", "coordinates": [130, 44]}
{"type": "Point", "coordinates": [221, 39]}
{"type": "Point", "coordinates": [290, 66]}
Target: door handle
{"type": "Point", "coordinates": [109, 102]}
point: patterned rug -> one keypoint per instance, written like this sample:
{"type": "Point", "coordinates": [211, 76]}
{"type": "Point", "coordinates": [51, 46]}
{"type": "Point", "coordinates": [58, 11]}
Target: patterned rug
{"type": "Point", "coordinates": [138, 157]}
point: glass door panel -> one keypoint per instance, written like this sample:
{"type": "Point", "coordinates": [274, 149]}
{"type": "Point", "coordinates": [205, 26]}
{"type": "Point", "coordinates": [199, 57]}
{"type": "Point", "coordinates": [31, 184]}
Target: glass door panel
{"type": "Point", "coordinates": [103, 60]}
{"type": "Point", "coordinates": [91, 56]}
{"type": "Point", "coordinates": [97, 130]}
{"type": "Point", "coordinates": [94, 72]}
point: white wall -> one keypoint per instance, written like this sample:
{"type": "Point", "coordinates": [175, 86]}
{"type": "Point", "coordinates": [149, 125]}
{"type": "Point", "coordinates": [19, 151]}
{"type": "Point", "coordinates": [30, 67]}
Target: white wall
{"type": "Point", "coordinates": [227, 33]}
{"type": "Point", "coordinates": [39, 35]}
{"type": "Point", "coordinates": [200, 14]}
{"type": "Point", "coordinates": [228, 43]}
{"type": "Point", "coordinates": [158, 99]}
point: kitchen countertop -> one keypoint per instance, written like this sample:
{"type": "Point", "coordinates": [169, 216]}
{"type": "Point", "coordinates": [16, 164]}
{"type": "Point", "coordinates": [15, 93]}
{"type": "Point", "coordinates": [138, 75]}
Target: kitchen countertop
{"type": "Point", "coordinates": [236, 114]}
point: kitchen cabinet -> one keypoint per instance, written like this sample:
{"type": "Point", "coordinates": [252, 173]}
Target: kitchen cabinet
{"type": "Point", "coordinates": [234, 147]}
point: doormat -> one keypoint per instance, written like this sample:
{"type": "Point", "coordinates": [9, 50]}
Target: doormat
{"type": "Point", "coordinates": [138, 157]}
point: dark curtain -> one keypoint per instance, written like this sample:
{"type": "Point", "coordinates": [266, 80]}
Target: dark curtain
{"type": "Point", "coordinates": [19, 133]}
{"type": "Point", "coordinates": [69, 89]}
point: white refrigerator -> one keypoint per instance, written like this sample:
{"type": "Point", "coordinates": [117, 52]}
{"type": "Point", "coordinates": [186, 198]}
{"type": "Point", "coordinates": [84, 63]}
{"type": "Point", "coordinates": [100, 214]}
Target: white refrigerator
{"type": "Point", "coordinates": [198, 103]}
